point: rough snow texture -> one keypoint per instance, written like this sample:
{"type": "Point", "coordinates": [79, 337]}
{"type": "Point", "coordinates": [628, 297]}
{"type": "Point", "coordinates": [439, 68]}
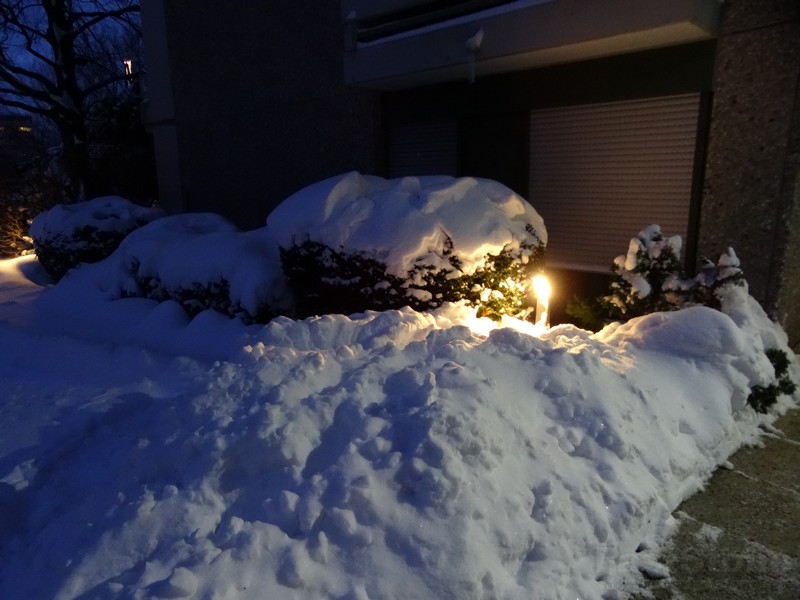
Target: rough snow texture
{"type": "Point", "coordinates": [387, 455]}
{"type": "Point", "coordinates": [400, 221]}
{"type": "Point", "coordinates": [183, 257]}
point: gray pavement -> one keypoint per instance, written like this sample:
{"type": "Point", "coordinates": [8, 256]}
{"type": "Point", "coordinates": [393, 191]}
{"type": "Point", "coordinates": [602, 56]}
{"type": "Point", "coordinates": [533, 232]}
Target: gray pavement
{"type": "Point", "coordinates": [739, 539]}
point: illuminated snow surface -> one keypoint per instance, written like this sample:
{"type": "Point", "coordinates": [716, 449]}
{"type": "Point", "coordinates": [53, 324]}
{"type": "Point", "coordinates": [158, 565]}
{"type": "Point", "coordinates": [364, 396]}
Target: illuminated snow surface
{"type": "Point", "coordinates": [392, 455]}
{"type": "Point", "coordinates": [399, 220]}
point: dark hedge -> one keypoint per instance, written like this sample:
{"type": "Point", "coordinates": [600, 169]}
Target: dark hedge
{"type": "Point", "coordinates": [326, 280]}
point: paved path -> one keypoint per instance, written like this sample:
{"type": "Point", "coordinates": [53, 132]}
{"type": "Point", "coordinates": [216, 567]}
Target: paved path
{"type": "Point", "coordinates": [739, 539]}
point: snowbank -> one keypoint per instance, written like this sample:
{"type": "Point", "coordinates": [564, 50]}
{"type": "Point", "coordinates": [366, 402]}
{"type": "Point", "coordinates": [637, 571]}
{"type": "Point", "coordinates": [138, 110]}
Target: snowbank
{"type": "Point", "coordinates": [383, 455]}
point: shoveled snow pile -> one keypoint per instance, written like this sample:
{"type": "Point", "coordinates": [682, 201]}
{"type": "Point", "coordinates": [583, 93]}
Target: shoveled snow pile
{"type": "Point", "coordinates": [382, 455]}
{"type": "Point", "coordinates": [400, 221]}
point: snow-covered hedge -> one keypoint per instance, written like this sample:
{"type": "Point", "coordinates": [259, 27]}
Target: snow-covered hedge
{"type": "Point", "coordinates": [86, 232]}
{"type": "Point", "coordinates": [354, 242]}
{"type": "Point", "coordinates": [201, 261]}
{"type": "Point", "coordinates": [649, 278]}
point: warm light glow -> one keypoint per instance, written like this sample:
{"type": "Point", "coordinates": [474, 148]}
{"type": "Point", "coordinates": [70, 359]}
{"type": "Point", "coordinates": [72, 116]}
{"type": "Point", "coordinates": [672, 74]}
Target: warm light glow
{"type": "Point", "coordinates": [25, 128]}
{"type": "Point", "coordinates": [128, 62]}
{"type": "Point", "coordinates": [484, 325]}
{"type": "Point", "coordinates": [542, 289]}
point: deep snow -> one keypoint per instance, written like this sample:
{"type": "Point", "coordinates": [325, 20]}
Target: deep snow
{"type": "Point", "coordinates": [402, 220]}
{"type": "Point", "coordinates": [383, 455]}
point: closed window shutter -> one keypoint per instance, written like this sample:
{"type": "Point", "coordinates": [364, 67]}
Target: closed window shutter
{"type": "Point", "coordinates": [423, 148]}
{"type": "Point", "coordinates": [600, 173]}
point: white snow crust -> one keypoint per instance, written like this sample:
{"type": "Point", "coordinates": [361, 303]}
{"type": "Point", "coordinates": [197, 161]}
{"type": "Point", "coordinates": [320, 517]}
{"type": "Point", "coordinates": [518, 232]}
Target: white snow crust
{"type": "Point", "coordinates": [400, 220]}
{"type": "Point", "coordinates": [107, 213]}
{"type": "Point", "coordinates": [382, 455]}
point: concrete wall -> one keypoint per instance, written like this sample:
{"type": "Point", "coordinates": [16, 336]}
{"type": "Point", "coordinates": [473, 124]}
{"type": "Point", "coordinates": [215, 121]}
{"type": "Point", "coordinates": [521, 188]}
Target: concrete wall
{"type": "Point", "coordinates": [260, 107]}
{"type": "Point", "coordinates": [750, 196]}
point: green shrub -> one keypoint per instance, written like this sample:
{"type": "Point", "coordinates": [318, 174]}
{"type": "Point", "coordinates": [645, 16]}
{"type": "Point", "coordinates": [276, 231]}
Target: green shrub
{"type": "Point", "coordinates": [201, 261]}
{"type": "Point", "coordinates": [14, 225]}
{"type": "Point", "coordinates": [86, 232]}
{"type": "Point", "coordinates": [197, 297]}
{"type": "Point", "coordinates": [763, 397]}
{"type": "Point", "coordinates": [650, 278]}
{"type": "Point", "coordinates": [325, 280]}
{"type": "Point", "coordinates": [588, 314]}
{"type": "Point", "coordinates": [357, 242]}
{"type": "Point", "coordinates": [84, 245]}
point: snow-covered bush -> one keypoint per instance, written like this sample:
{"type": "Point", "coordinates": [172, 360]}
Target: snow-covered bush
{"type": "Point", "coordinates": [354, 243]}
{"type": "Point", "coordinates": [649, 278]}
{"type": "Point", "coordinates": [201, 261]}
{"type": "Point", "coordinates": [14, 225]}
{"type": "Point", "coordinates": [86, 232]}
{"type": "Point", "coordinates": [762, 397]}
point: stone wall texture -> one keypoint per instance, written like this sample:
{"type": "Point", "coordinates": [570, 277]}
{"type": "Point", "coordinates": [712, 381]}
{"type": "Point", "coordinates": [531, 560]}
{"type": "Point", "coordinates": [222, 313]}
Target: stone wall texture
{"type": "Point", "coordinates": [750, 196]}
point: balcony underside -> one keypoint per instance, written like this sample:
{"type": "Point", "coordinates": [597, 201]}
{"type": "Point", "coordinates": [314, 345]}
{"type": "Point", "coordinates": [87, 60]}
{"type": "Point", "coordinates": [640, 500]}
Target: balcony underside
{"type": "Point", "coordinates": [514, 36]}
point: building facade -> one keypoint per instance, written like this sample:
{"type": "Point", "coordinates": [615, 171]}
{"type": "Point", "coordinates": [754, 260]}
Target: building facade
{"type": "Point", "coordinates": [608, 116]}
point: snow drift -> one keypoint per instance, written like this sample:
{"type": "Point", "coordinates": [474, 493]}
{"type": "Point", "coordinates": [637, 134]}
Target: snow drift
{"type": "Point", "coordinates": [382, 455]}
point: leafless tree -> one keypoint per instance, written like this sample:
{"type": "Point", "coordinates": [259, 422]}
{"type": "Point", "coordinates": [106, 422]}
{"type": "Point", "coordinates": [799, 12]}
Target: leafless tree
{"type": "Point", "coordinates": [56, 56]}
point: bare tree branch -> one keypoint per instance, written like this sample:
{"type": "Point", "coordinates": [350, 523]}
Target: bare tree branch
{"type": "Point", "coordinates": [57, 57]}
{"type": "Point", "coordinates": [93, 18]}
{"type": "Point", "coordinates": [33, 108]}
{"type": "Point", "coordinates": [16, 76]}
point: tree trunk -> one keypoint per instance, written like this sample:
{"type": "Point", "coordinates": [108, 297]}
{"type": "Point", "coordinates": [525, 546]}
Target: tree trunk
{"type": "Point", "coordinates": [75, 161]}
{"type": "Point", "coordinates": [69, 108]}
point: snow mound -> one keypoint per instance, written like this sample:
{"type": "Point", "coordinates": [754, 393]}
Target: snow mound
{"type": "Point", "coordinates": [387, 455]}
{"type": "Point", "coordinates": [397, 221]}
{"type": "Point", "coordinates": [108, 214]}
{"type": "Point", "coordinates": [174, 255]}
{"type": "Point", "coordinates": [69, 235]}
{"type": "Point", "coordinates": [706, 337]}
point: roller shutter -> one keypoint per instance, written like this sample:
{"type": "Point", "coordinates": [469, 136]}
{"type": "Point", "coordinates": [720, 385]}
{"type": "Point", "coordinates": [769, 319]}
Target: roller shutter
{"type": "Point", "coordinates": [600, 173]}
